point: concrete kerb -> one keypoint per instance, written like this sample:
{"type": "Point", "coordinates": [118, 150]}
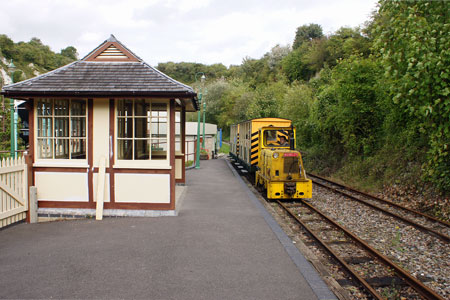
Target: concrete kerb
{"type": "Point", "coordinates": [306, 269]}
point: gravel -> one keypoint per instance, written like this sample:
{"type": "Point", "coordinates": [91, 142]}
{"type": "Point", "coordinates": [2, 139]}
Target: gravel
{"type": "Point", "coordinates": [424, 256]}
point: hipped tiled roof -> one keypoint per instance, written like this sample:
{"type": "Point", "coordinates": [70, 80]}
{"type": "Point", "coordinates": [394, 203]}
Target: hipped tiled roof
{"type": "Point", "coordinates": [102, 74]}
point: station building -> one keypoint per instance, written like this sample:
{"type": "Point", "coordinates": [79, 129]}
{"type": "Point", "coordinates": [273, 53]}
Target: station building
{"type": "Point", "coordinates": [191, 138]}
{"type": "Point", "coordinates": [109, 111]}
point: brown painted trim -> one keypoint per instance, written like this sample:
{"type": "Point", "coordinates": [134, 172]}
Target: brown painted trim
{"type": "Point", "coordinates": [29, 159]}
{"type": "Point", "coordinates": [29, 164]}
{"type": "Point", "coordinates": [183, 143]}
{"type": "Point", "coordinates": [172, 153]}
{"type": "Point", "coordinates": [143, 171]}
{"type": "Point", "coordinates": [62, 170]}
{"type": "Point", "coordinates": [90, 149]}
{"type": "Point", "coordinates": [66, 204]}
{"type": "Point", "coordinates": [112, 117]}
{"type": "Point", "coordinates": [135, 171]}
{"type": "Point", "coordinates": [93, 56]}
{"type": "Point", "coordinates": [31, 107]}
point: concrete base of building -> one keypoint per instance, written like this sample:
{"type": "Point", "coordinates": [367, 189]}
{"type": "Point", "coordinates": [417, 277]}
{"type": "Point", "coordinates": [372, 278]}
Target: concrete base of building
{"type": "Point", "coordinates": [57, 214]}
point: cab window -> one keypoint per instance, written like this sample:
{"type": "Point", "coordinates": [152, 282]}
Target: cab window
{"type": "Point", "coordinates": [276, 138]}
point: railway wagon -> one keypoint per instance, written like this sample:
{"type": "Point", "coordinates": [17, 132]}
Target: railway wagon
{"type": "Point", "coordinates": [266, 148]}
{"type": "Point", "coordinates": [234, 141]}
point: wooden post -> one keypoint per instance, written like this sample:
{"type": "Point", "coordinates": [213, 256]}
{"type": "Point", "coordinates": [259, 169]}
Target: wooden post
{"type": "Point", "coordinates": [100, 189]}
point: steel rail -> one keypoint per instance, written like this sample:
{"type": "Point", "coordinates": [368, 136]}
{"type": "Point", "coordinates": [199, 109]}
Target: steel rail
{"type": "Point", "coordinates": [346, 266]}
{"type": "Point", "coordinates": [382, 200]}
{"type": "Point", "coordinates": [431, 231]}
{"type": "Point", "coordinates": [422, 289]}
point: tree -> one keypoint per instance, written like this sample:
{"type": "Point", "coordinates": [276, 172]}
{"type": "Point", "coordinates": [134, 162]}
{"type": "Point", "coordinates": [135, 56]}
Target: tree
{"type": "Point", "coordinates": [307, 33]}
{"type": "Point", "coordinates": [344, 43]}
{"type": "Point", "coordinates": [413, 40]}
{"type": "Point", "coordinates": [70, 52]}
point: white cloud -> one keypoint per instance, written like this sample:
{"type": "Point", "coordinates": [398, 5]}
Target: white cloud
{"type": "Point", "coordinates": [205, 31]}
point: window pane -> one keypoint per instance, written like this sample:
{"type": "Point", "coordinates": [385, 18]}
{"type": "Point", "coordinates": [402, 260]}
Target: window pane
{"type": "Point", "coordinates": [141, 128]}
{"type": "Point", "coordinates": [78, 107]}
{"type": "Point", "coordinates": [178, 144]}
{"type": "Point", "coordinates": [78, 149]}
{"type": "Point", "coordinates": [177, 116]}
{"type": "Point", "coordinates": [62, 148]}
{"type": "Point", "coordinates": [62, 127]}
{"type": "Point", "coordinates": [154, 129]}
{"type": "Point", "coordinates": [141, 108]}
{"type": "Point", "coordinates": [125, 128]}
{"type": "Point", "coordinates": [159, 149]}
{"type": "Point", "coordinates": [44, 127]}
{"type": "Point", "coordinates": [61, 107]}
{"type": "Point", "coordinates": [177, 128]}
{"type": "Point", "coordinates": [45, 148]}
{"type": "Point", "coordinates": [141, 149]}
{"type": "Point", "coordinates": [125, 108]}
{"type": "Point", "coordinates": [125, 149]}
{"type": "Point", "coordinates": [78, 125]}
{"type": "Point", "coordinates": [162, 130]}
{"type": "Point", "coordinates": [44, 107]}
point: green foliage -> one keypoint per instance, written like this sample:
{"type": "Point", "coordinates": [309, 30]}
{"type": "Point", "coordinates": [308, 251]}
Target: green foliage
{"type": "Point", "coordinates": [353, 100]}
{"type": "Point", "coordinates": [307, 33]}
{"type": "Point", "coordinates": [225, 148]}
{"type": "Point", "coordinates": [297, 105]}
{"type": "Point", "coordinates": [5, 132]}
{"type": "Point", "coordinates": [33, 56]}
{"type": "Point", "coordinates": [295, 66]}
{"type": "Point", "coordinates": [344, 43]}
{"type": "Point", "coordinates": [185, 72]}
{"type": "Point", "coordinates": [307, 59]}
{"type": "Point", "coordinates": [414, 42]}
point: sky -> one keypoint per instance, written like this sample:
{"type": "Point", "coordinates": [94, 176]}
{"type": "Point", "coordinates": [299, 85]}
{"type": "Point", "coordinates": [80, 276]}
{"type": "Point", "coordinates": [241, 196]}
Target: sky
{"type": "Point", "coordinates": [203, 31]}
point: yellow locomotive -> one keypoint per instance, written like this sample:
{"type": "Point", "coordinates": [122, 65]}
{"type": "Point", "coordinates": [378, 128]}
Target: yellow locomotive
{"type": "Point", "coordinates": [266, 148]}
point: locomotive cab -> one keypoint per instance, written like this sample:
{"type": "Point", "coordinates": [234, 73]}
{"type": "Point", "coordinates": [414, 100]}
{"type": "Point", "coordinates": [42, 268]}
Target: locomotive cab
{"type": "Point", "coordinates": [280, 167]}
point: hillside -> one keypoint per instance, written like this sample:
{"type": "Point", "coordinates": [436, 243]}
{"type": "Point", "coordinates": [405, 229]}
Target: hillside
{"type": "Point", "coordinates": [31, 59]}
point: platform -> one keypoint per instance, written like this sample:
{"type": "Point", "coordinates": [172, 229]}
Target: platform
{"type": "Point", "coordinates": [222, 245]}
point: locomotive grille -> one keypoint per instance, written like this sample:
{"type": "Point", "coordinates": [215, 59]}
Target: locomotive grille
{"type": "Point", "coordinates": [290, 165]}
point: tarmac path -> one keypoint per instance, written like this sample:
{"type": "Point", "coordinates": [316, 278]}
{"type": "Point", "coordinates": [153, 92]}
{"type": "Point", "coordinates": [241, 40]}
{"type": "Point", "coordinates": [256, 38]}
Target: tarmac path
{"type": "Point", "coordinates": [219, 247]}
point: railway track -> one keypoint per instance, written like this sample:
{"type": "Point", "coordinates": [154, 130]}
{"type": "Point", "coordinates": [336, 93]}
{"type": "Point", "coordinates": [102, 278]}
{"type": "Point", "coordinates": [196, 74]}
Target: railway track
{"type": "Point", "coordinates": [357, 257]}
{"type": "Point", "coordinates": [390, 280]}
{"type": "Point", "coordinates": [421, 221]}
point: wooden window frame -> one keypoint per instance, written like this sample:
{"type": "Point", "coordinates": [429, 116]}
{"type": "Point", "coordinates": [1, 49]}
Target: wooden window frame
{"type": "Point", "coordinates": [147, 163]}
{"type": "Point", "coordinates": [60, 162]}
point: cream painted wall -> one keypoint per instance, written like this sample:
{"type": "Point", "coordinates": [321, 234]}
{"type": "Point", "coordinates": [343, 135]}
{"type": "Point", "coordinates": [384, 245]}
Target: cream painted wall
{"type": "Point", "coordinates": [59, 186]}
{"type": "Point", "coordinates": [106, 188]}
{"type": "Point", "coordinates": [178, 168]}
{"type": "Point", "coordinates": [101, 131]}
{"type": "Point", "coordinates": [142, 188]}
